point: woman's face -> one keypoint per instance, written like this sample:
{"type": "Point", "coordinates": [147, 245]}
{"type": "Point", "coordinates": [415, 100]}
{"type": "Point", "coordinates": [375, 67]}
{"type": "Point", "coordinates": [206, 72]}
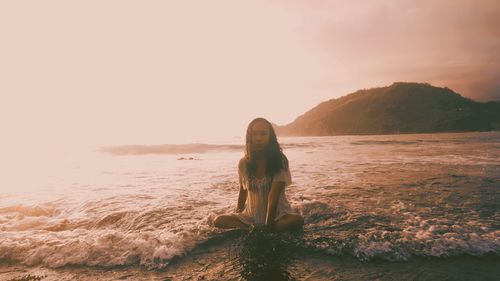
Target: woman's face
{"type": "Point", "coordinates": [260, 136]}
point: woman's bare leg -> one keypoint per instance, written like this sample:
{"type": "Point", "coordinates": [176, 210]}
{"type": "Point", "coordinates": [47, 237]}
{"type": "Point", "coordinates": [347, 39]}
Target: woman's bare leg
{"type": "Point", "coordinates": [229, 221]}
{"type": "Point", "coordinates": [289, 222]}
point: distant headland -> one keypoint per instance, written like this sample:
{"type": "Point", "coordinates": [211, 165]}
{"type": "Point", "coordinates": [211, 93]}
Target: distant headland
{"type": "Point", "coordinates": [399, 108]}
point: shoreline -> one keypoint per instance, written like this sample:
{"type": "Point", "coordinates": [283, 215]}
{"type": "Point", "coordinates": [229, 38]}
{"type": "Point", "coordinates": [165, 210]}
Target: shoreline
{"type": "Point", "coordinates": [232, 259]}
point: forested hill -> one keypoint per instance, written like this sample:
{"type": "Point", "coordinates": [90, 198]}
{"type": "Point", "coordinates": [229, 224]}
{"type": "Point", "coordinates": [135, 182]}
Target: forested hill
{"type": "Point", "coordinates": [398, 108]}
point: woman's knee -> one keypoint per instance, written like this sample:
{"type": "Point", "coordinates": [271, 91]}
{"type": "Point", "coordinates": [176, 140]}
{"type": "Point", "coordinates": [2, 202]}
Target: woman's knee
{"type": "Point", "coordinates": [299, 220]}
{"type": "Point", "coordinates": [219, 220]}
{"type": "Point", "coordinates": [290, 222]}
{"type": "Point", "coordinates": [296, 221]}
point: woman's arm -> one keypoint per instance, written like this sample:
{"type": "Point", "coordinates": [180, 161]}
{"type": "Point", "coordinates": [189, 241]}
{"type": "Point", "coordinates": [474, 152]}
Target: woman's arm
{"type": "Point", "coordinates": [242, 199]}
{"type": "Point", "coordinates": [242, 196]}
{"type": "Point", "coordinates": [272, 202]}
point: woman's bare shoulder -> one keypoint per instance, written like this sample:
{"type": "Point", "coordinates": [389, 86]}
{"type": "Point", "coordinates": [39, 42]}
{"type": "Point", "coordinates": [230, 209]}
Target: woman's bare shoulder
{"type": "Point", "coordinates": [242, 164]}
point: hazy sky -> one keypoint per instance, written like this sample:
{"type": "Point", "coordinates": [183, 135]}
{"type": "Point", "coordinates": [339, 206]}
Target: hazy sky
{"type": "Point", "coordinates": [129, 72]}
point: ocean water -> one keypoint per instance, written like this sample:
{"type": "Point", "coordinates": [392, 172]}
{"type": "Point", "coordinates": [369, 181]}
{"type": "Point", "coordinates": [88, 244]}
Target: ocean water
{"type": "Point", "coordinates": [393, 207]}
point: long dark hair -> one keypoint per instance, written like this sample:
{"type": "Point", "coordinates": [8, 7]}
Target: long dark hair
{"type": "Point", "coordinates": [275, 159]}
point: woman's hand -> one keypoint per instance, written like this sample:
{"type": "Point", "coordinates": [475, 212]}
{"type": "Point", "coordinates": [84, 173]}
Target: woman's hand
{"type": "Point", "coordinates": [262, 228]}
{"type": "Point", "coordinates": [270, 226]}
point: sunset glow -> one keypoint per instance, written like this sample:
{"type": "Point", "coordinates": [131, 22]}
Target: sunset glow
{"type": "Point", "coordinates": [123, 72]}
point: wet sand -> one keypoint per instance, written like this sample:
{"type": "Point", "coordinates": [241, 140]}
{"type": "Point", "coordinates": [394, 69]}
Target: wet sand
{"type": "Point", "coordinates": [237, 255]}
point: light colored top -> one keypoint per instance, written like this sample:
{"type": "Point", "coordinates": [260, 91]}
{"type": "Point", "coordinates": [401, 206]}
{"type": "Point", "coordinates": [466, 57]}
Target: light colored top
{"type": "Point", "coordinates": [258, 191]}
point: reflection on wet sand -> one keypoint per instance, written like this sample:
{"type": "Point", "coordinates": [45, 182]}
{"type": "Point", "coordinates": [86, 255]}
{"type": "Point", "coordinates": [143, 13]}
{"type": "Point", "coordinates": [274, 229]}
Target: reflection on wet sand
{"type": "Point", "coordinates": [266, 256]}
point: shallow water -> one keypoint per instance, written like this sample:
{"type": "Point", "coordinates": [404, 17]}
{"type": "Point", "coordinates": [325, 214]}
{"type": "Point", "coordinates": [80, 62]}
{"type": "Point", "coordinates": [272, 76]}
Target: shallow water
{"type": "Point", "coordinates": [376, 207]}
